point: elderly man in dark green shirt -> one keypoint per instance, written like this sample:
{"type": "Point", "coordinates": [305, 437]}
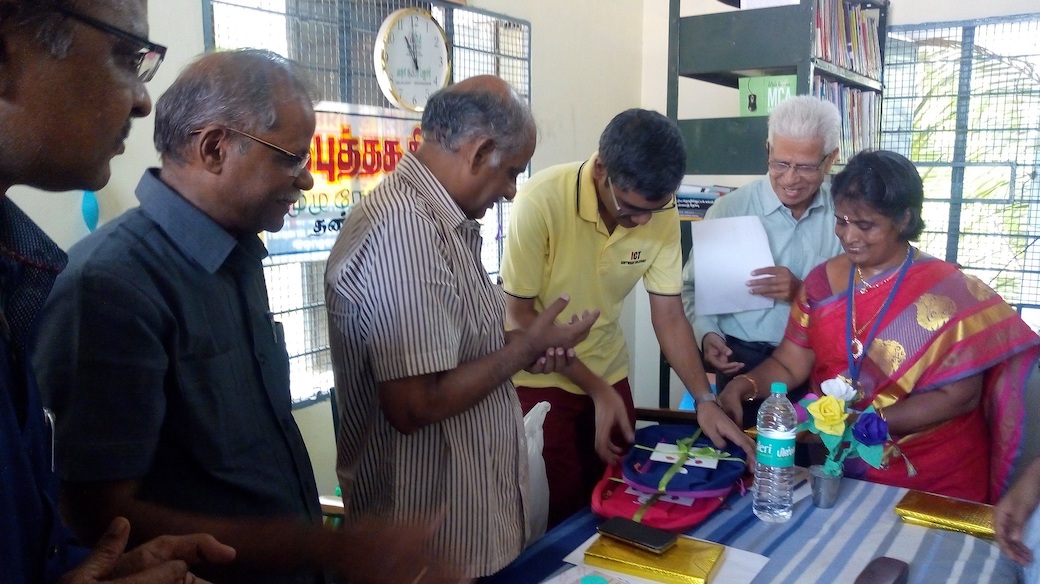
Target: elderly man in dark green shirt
{"type": "Point", "coordinates": [166, 371]}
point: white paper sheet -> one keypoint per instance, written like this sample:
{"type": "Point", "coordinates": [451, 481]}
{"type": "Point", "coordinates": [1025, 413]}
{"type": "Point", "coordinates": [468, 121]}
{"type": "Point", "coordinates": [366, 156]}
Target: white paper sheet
{"type": "Point", "coordinates": [726, 250]}
{"type": "Point", "coordinates": [738, 567]}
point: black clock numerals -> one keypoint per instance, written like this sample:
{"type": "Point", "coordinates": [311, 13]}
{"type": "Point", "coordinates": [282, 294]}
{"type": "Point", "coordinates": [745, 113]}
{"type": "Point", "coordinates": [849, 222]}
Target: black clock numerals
{"type": "Point", "coordinates": [411, 60]}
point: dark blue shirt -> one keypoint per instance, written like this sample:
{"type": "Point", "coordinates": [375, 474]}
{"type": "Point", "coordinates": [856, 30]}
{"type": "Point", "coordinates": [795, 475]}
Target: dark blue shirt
{"type": "Point", "coordinates": [162, 363]}
{"type": "Point", "coordinates": [34, 546]}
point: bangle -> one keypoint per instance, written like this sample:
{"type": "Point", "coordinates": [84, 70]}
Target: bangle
{"type": "Point", "coordinates": [881, 413]}
{"type": "Point", "coordinates": [754, 386]}
{"type": "Point", "coordinates": [706, 398]}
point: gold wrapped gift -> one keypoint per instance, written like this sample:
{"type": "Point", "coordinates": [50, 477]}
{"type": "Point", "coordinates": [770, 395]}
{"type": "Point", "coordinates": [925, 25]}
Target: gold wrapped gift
{"type": "Point", "coordinates": [931, 510]}
{"type": "Point", "coordinates": [689, 561]}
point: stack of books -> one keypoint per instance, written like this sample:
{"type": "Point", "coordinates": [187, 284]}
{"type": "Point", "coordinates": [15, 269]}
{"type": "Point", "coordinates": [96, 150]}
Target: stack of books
{"type": "Point", "coordinates": [847, 36]}
{"type": "Point", "coordinates": [693, 200]}
{"type": "Point", "coordinates": [860, 115]}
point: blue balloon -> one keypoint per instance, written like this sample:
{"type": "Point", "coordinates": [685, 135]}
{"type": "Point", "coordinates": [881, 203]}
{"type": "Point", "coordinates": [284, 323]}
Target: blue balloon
{"type": "Point", "coordinates": [90, 210]}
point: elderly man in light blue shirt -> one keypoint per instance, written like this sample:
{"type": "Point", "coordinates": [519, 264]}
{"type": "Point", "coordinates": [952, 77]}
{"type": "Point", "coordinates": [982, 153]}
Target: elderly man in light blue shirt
{"type": "Point", "coordinates": [798, 215]}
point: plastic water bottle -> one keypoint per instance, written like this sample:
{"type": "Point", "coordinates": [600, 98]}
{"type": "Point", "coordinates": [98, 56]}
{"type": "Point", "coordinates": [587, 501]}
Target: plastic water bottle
{"type": "Point", "coordinates": [774, 468]}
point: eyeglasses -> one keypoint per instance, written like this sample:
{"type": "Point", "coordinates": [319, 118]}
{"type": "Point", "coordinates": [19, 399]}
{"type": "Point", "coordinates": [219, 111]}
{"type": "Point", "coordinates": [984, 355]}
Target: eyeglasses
{"type": "Point", "coordinates": [145, 61]}
{"type": "Point", "coordinates": [806, 170]}
{"type": "Point", "coordinates": [299, 162]}
{"type": "Point", "coordinates": [630, 211]}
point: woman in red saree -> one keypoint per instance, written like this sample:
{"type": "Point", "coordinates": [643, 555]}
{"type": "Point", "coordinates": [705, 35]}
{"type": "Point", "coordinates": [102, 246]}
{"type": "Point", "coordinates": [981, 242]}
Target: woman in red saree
{"type": "Point", "coordinates": [938, 353]}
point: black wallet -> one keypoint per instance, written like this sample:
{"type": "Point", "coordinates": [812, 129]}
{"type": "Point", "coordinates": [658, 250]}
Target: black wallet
{"type": "Point", "coordinates": [884, 570]}
{"type": "Point", "coordinates": [642, 536]}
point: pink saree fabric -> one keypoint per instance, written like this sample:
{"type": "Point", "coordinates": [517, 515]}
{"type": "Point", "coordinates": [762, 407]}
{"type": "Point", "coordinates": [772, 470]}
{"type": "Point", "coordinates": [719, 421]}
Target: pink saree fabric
{"type": "Point", "coordinates": [942, 326]}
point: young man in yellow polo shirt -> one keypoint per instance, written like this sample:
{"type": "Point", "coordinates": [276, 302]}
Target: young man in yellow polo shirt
{"type": "Point", "coordinates": [591, 230]}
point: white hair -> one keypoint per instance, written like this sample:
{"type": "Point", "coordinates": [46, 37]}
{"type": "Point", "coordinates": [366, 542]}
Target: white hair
{"type": "Point", "coordinates": [805, 117]}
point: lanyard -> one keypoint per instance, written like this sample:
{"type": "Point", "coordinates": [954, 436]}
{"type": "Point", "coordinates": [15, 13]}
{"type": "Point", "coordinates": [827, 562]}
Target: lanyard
{"type": "Point", "coordinates": [854, 363]}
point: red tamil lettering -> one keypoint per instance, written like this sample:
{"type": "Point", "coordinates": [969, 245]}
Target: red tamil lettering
{"type": "Point", "coordinates": [391, 154]}
{"type": "Point", "coordinates": [371, 159]}
{"type": "Point", "coordinates": [349, 158]}
{"type": "Point", "coordinates": [413, 144]}
{"type": "Point", "coordinates": [323, 159]}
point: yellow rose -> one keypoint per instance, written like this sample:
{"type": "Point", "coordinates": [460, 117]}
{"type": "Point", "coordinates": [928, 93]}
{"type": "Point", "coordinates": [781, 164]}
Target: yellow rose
{"type": "Point", "coordinates": [828, 413]}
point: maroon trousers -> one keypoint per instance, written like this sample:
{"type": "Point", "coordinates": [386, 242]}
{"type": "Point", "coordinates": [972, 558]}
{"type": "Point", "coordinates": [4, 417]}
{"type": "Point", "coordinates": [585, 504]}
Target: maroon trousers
{"type": "Point", "coordinates": [571, 464]}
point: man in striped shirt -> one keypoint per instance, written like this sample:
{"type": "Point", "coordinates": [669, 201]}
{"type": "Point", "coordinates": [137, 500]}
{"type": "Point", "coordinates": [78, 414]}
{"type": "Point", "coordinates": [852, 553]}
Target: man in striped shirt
{"type": "Point", "coordinates": [430, 425]}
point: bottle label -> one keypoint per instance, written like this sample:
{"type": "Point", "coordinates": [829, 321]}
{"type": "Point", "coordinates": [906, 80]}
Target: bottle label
{"type": "Point", "coordinates": [776, 448]}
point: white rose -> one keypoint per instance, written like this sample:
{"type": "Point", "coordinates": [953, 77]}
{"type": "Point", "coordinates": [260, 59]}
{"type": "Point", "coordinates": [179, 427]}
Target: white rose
{"type": "Point", "coordinates": [839, 389]}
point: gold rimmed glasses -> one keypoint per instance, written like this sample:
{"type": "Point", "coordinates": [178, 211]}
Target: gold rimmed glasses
{"type": "Point", "coordinates": [298, 162]}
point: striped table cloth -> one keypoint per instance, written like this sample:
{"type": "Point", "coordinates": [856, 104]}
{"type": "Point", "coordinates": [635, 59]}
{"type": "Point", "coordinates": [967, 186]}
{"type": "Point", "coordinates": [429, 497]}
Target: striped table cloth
{"type": "Point", "coordinates": [816, 545]}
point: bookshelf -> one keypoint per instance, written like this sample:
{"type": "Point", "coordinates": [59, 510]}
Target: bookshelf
{"type": "Point", "coordinates": [812, 40]}
{"type": "Point", "coordinates": [834, 48]}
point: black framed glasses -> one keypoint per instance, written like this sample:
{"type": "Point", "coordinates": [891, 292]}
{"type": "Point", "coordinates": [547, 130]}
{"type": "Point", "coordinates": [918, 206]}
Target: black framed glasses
{"type": "Point", "coordinates": [629, 211]}
{"type": "Point", "coordinates": [807, 170]}
{"type": "Point", "coordinates": [298, 162]}
{"type": "Point", "coordinates": [149, 55]}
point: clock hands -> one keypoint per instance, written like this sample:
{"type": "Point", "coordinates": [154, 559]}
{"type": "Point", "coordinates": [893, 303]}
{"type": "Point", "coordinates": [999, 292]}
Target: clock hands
{"type": "Point", "coordinates": [410, 35]}
{"type": "Point", "coordinates": [411, 47]}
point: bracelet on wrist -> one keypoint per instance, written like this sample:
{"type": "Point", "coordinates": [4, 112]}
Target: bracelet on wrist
{"type": "Point", "coordinates": [754, 386]}
{"type": "Point", "coordinates": [706, 398]}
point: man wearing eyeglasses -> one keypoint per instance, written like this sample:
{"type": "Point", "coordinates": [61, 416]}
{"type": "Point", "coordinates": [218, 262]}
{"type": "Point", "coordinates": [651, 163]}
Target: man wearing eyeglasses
{"type": "Point", "coordinates": [166, 371]}
{"type": "Point", "coordinates": [796, 210]}
{"type": "Point", "coordinates": [49, 52]}
{"type": "Point", "coordinates": [593, 229]}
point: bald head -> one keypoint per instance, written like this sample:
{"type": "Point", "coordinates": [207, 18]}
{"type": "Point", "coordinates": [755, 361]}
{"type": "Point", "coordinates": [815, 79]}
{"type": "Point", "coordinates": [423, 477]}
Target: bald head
{"type": "Point", "coordinates": [484, 106]}
{"type": "Point", "coordinates": [484, 83]}
{"type": "Point", "coordinates": [237, 89]}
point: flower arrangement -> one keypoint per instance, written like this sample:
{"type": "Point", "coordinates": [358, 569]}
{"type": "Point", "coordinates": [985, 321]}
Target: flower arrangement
{"type": "Point", "coordinates": [828, 417]}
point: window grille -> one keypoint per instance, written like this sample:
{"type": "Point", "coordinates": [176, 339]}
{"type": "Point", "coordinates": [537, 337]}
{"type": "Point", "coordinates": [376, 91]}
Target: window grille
{"type": "Point", "coordinates": [333, 41]}
{"type": "Point", "coordinates": [962, 101]}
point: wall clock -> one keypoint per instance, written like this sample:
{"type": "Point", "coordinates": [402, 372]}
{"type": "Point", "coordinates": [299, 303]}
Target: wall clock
{"type": "Point", "coordinates": [412, 58]}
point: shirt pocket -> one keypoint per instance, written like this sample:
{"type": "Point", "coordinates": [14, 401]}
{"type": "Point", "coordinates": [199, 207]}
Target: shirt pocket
{"type": "Point", "coordinates": [219, 415]}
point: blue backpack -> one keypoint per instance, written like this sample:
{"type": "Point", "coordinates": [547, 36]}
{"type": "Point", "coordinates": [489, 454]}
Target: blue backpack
{"type": "Point", "coordinates": [676, 460]}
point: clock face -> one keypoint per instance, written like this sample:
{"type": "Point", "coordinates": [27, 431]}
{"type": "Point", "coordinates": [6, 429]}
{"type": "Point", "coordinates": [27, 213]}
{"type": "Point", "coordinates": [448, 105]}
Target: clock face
{"type": "Point", "coordinates": [411, 58]}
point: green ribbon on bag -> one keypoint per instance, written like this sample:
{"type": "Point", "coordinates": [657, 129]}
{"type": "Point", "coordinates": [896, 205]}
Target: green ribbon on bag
{"type": "Point", "coordinates": [685, 451]}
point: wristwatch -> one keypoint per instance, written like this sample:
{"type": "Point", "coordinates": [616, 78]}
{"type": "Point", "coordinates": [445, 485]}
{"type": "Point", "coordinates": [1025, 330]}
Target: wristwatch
{"type": "Point", "coordinates": [708, 397]}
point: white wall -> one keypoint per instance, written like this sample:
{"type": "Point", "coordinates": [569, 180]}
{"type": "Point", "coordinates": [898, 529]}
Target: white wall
{"type": "Point", "coordinates": [586, 67]}
{"type": "Point", "coordinates": [590, 60]}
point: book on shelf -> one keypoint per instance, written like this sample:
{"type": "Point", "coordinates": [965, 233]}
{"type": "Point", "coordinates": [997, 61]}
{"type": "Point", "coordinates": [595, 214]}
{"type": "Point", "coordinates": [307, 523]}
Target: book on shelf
{"type": "Point", "coordinates": [694, 200]}
{"type": "Point", "coordinates": [860, 114]}
{"type": "Point", "coordinates": [759, 95]}
{"type": "Point", "coordinates": [847, 36]}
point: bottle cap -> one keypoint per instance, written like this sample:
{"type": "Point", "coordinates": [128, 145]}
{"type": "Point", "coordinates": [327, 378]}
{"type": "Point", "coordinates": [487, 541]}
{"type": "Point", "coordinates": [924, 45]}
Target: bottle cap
{"type": "Point", "coordinates": [778, 387]}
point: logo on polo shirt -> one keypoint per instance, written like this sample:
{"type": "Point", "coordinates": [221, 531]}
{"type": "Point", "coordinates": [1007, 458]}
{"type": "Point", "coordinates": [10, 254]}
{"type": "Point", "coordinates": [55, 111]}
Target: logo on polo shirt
{"type": "Point", "coordinates": [633, 258]}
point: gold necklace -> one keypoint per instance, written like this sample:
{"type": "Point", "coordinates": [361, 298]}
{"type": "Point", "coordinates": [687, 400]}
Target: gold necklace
{"type": "Point", "coordinates": [857, 345]}
{"type": "Point", "coordinates": [883, 281]}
